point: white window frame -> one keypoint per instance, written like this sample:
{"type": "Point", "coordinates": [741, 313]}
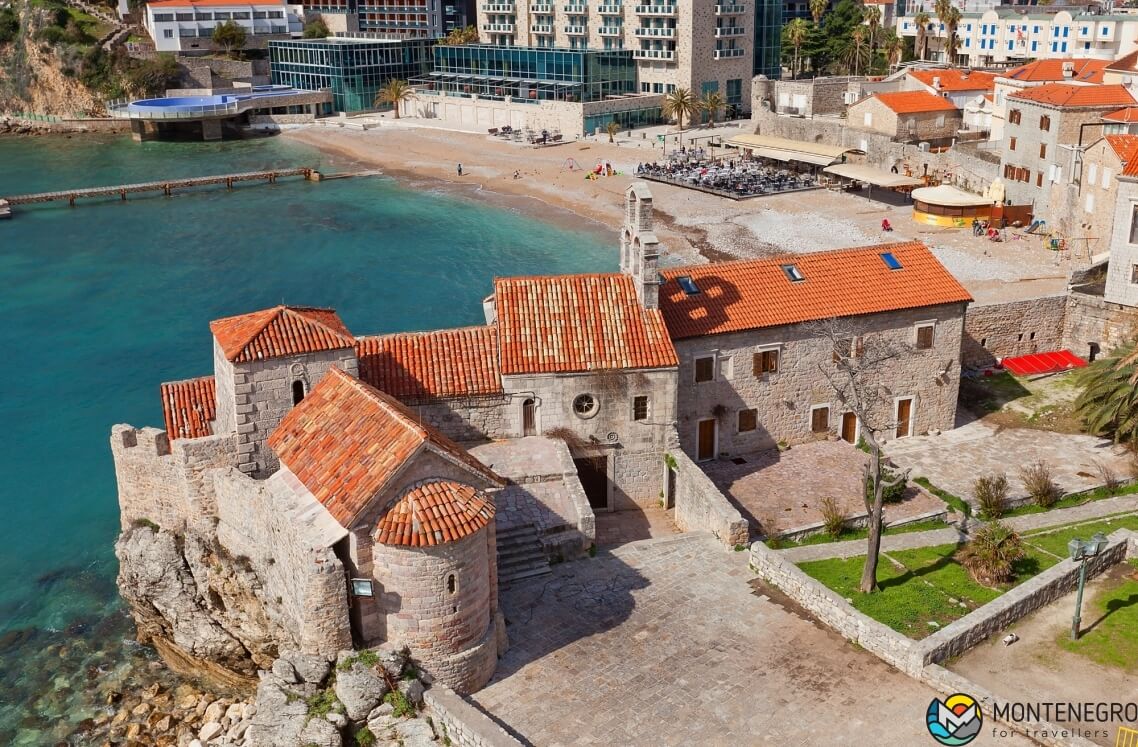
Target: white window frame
{"type": "Point", "coordinates": [829, 418]}
{"type": "Point", "coordinates": [917, 333]}
{"type": "Point", "coordinates": [1092, 173]}
{"type": "Point", "coordinates": [867, 119]}
{"type": "Point", "coordinates": [724, 368]}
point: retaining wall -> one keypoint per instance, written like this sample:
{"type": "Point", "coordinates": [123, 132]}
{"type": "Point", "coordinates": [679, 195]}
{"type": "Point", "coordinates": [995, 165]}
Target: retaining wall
{"type": "Point", "coordinates": [701, 507]}
{"type": "Point", "coordinates": [464, 724]}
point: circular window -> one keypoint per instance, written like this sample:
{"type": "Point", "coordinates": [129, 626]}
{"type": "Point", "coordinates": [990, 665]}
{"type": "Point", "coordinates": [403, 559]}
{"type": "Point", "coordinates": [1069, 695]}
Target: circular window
{"type": "Point", "coordinates": [585, 406]}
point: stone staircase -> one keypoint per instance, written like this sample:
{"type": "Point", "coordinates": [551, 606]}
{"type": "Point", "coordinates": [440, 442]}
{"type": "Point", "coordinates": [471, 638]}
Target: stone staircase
{"type": "Point", "coordinates": [520, 554]}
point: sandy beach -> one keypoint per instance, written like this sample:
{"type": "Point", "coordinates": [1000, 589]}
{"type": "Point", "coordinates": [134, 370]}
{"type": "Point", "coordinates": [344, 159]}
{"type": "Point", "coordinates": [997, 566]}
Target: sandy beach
{"type": "Point", "coordinates": [694, 227]}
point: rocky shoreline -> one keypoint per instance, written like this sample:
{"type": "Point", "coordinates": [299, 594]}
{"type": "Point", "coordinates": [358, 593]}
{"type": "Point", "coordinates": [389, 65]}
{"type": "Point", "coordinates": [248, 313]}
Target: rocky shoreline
{"type": "Point", "coordinates": [17, 127]}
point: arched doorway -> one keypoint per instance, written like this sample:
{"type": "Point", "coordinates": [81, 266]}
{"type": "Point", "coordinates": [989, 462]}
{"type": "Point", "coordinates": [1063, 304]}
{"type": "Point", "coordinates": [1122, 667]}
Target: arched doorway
{"type": "Point", "coordinates": [529, 418]}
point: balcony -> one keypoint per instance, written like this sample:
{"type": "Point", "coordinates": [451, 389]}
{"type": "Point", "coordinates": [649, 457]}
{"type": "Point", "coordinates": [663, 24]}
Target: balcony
{"type": "Point", "coordinates": [659, 33]}
{"type": "Point", "coordinates": [576, 10]}
{"type": "Point", "coordinates": [653, 54]}
{"type": "Point", "coordinates": [543, 8]}
{"type": "Point", "coordinates": [611, 10]}
{"type": "Point", "coordinates": [541, 28]}
{"type": "Point", "coordinates": [577, 30]}
{"type": "Point", "coordinates": [730, 10]}
{"type": "Point", "coordinates": [723, 31]}
{"type": "Point", "coordinates": [497, 7]}
{"type": "Point", "coordinates": [500, 28]}
{"type": "Point", "coordinates": [611, 31]}
{"type": "Point", "coordinates": [659, 9]}
{"type": "Point", "coordinates": [724, 54]}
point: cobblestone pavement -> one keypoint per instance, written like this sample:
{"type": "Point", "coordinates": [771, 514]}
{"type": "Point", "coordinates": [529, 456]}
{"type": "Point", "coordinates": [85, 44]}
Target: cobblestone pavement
{"type": "Point", "coordinates": [953, 460]}
{"type": "Point", "coordinates": [621, 527]}
{"type": "Point", "coordinates": [666, 642]}
{"type": "Point", "coordinates": [787, 487]}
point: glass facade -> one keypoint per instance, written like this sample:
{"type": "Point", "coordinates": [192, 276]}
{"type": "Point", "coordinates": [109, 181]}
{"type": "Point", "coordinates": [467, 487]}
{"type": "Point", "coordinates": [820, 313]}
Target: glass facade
{"type": "Point", "coordinates": [531, 74]}
{"type": "Point", "coordinates": [768, 38]}
{"type": "Point", "coordinates": [354, 69]}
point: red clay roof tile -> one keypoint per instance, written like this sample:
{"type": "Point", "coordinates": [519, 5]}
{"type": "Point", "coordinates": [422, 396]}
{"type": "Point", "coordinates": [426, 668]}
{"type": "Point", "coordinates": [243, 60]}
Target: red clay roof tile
{"type": "Point", "coordinates": [1124, 146]}
{"type": "Point", "coordinates": [434, 512]}
{"type": "Point", "coordinates": [280, 331]}
{"type": "Point", "coordinates": [416, 366]}
{"type": "Point", "coordinates": [754, 294]}
{"type": "Point", "coordinates": [189, 407]}
{"type": "Point", "coordinates": [915, 102]}
{"type": "Point", "coordinates": [566, 323]}
{"type": "Point", "coordinates": [955, 79]}
{"type": "Point", "coordinates": [1070, 95]}
{"type": "Point", "coordinates": [1127, 114]}
{"type": "Point", "coordinates": [1084, 71]}
{"type": "Point", "coordinates": [346, 440]}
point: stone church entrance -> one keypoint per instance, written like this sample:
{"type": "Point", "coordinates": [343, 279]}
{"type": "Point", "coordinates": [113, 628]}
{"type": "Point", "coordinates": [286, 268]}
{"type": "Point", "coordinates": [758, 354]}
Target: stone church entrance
{"type": "Point", "coordinates": [593, 474]}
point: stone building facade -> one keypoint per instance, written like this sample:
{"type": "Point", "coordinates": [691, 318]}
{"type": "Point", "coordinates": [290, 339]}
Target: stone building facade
{"type": "Point", "coordinates": [1084, 205]}
{"type": "Point", "coordinates": [908, 116]}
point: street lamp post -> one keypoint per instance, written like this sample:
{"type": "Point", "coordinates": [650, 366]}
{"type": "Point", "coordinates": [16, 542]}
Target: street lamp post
{"type": "Point", "coordinates": [1081, 552]}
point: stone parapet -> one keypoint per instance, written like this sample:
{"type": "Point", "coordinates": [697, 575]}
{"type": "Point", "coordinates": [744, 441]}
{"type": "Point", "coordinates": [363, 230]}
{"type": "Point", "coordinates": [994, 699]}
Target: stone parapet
{"type": "Point", "coordinates": [700, 506]}
{"type": "Point", "coordinates": [463, 723]}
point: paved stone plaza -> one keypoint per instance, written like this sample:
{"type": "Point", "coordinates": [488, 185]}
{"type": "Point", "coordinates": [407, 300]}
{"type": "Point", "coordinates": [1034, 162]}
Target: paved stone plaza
{"type": "Point", "coordinates": [665, 642]}
{"type": "Point", "coordinates": [787, 487]}
{"type": "Point", "coordinates": [953, 460]}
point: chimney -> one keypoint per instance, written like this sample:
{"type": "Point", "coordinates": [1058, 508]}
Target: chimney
{"type": "Point", "coordinates": [936, 82]}
{"type": "Point", "coordinates": [1068, 69]}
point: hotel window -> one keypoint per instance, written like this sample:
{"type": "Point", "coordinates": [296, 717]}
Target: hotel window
{"type": "Point", "coordinates": [704, 369]}
{"type": "Point", "coordinates": [748, 420]}
{"type": "Point", "coordinates": [925, 335]}
{"type": "Point", "coordinates": [640, 407]}
{"type": "Point", "coordinates": [820, 419]}
{"type": "Point", "coordinates": [765, 362]}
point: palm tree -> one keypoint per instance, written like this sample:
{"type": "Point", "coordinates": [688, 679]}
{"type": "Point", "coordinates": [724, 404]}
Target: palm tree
{"type": "Point", "coordinates": [711, 103]}
{"type": "Point", "coordinates": [856, 51]}
{"type": "Point", "coordinates": [394, 93]}
{"type": "Point", "coordinates": [1108, 403]}
{"type": "Point", "coordinates": [951, 21]}
{"type": "Point", "coordinates": [991, 555]}
{"type": "Point", "coordinates": [922, 21]}
{"type": "Point", "coordinates": [612, 128]}
{"type": "Point", "coordinates": [797, 32]}
{"type": "Point", "coordinates": [893, 46]}
{"type": "Point", "coordinates": [818, 9]}
{"type": "Point", "coordinates": [941, 8]}
{"type": "Point", "coordinates": [872, 17]}
{"type": "Point", "coordinates": [679, 104]}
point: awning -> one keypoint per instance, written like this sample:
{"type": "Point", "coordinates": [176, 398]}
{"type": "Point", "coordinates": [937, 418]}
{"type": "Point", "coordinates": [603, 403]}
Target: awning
{"type": "Point", "coordinates": [949, 196]}
{"type": "Point", "coordinates": [1041, 363]}
{"type": "Point", "coordinates": [793, 150]}
{"type": "Point", "coordinates": [792, 155]}
{"type": "Point", "coordinates": [870, 175]}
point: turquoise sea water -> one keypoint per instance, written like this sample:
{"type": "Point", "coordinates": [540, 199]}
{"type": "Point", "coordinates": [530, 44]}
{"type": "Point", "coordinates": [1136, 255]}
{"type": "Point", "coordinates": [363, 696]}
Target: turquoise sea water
{"type": "Point", "coordinates": [102, 302]}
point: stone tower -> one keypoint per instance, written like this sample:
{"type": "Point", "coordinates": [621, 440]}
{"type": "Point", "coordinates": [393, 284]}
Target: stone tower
{"type": "Point", "coordinates": [264, 364]}
{"type": "Point", "coordinates": [639, 247]}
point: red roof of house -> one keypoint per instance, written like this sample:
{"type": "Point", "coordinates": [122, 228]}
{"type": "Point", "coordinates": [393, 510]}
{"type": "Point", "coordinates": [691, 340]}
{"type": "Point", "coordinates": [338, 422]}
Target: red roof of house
{"type": "Point", "coordinates": [758, 293]}
{"type": "Point", "coordinates": [1071, 95]}
{"type": "Point", "coordinates": [955, 79]}
{"type": "Point", "coordinates": [915, 102]}
{"type": "Point", "coordinates": [565, 323]}
{"type": "Point", "coordinates": [280, 331]}
{"type": "Point", "coordinates": [1040, 71]}
{"type": "Point", "coordinates": [1131, 168]}
{"type": "Point", "coordinates": [192, 3]}
{"type": "Point", "coordinates": [1124, 146]}
{"type": "Point", "coordinates": [434, 512]}
{"type": "Point", "coordinates": [427, 365]}
{"type": "Point", "coordinates": [346, 440]}
{"type": "Point", "coordinates": [189, 407]}
{"type": "Point", "coordinates": [1125, 64]}
{"type": "Point", "coordinates": [1127, 114]}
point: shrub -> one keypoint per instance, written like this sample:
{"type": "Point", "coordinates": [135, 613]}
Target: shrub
{"type": "Point", "coordinates": [991, 554]}
{"type": "Point", "coordinates": [401, 706]}
{"type": "Point", "coordinates": [321, 704]}
{"type": "Point", "coordinates": [1037, 482]}
{"type": "Point", "coordinates": [991, 493]}
{"type": "Point", "coordinates": [9, 25]}
{"type": "Point", "coordinates": [833, 517]}
{"type": "Point", "coordinates": [144, 522]}
{"type": "Point", "coordinates": [365, 738]}
{"type": "Point", "coordinates": [1109, 478]}
{"type": "Point", "coordinates": [894, 494]}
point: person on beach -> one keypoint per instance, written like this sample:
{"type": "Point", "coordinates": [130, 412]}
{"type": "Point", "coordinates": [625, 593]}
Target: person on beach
{"type": "Point", "coordinates": [517, 174]}
{"type": "Point", "coordinates": [460, 169]}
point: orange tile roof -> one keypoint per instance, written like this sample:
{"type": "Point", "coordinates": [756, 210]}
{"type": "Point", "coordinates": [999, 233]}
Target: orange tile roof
{"type": "Point", "coordinates": [1040, 71]}
{"type": "Point", "coordinates": [915, 102]}
{"type": "Point", "coordinates": [1131, 168]}
{"type": "Point", "coordinates": [427, 365]}
{"type": "Point", "coordinates": [1124, 146]}
{"type": "Point", "coordinates": [1125, 64]}
{"type": "Point", "coordinates": [434, 512]}
{"type": "Point", "coordinates": [189, 407]}
{"type": "Point", "coordinates": [1070, 95]}
{"type": "Point", "coordinates": [281, 330]}
{"type": "Point", "coordinates": [754, 294]}
{"type": "Point", "coordinates": [346, 441]}
{"type": "Point", "coordinates": [955, 79]}
{"type": "Point", "coordinates": [1128, 114]}
{"type": "Point", "coordinates": [565, 323]}
{"type": "Point", "coordinates": [191, 3]}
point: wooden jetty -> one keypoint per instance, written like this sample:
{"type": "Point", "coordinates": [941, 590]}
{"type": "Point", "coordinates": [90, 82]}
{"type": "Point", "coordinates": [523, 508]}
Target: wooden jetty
{"type": "Point", "coordinates": [166, 187]}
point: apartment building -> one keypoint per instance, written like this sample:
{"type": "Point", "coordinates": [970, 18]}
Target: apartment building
{"type": "Point", "coordinates": [702, 45]}
{"type": "Point", "coordinates": [402, 19]}
{"type": "Point", "coordinates": [187, 25]}
{"type": "Point", "coordinates": [1011, 34]}
{"type": "Point", "coordinates": [1075, 71]}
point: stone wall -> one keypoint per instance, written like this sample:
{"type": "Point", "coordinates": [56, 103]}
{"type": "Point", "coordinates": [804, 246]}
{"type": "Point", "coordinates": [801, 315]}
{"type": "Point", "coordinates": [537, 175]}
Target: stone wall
{"type": "Point", "coordinates": [873, 115]}
{"type": "Point", "coordinates": [810, 97]}
{"type": "Point", "coordinates": [462, 723]}
{"type": "Point", "coordinates": [701, 507]}
{"type": "Point", "coordinates": [785, 399]}
{"type": "Point", "coordinates": [468, 418]}
{"type": "Point", "coordinates": [995, 331]}
{"type": "Point", "coordinates": [1120, 272]}
{"type": "Point", "coordinates": [1091, 320]}
{"type": "Point", "coordinates": [303, 583]}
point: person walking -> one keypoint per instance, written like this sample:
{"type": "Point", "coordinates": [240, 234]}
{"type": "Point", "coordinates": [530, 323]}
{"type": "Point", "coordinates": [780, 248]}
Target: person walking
{"type": "Point", "coordinates": [460, 169]}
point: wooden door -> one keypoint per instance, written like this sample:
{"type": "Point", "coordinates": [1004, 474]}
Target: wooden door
{"type": "Point", "coordinates": [849, 427]}
{"type": "Point", "coordinates": [705, 448]}
{"type": "Point", "coordinates": [529, 418]}
{"type": "Point", "coordinates": [593, 474]}
{"type": "Point", "coordinates": [904, 417]}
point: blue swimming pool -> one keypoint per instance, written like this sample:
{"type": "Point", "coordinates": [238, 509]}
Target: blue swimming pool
{"type": "Point", "coordinates": [218, 102]}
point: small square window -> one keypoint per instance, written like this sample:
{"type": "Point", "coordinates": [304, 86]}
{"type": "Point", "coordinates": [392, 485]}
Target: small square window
{"type": "Point", "coordinates": [924, 336]}
{"type": "Point", "coordinates": [820, 419]}
{"type": "Point", "coordinates": [640, 407]}
{"type": "Point", "coordinates": [765, 362]}
{"type": "Point", "coordinates": [704, 369]}
{"type": "Point", "coordinates": [748, 420]}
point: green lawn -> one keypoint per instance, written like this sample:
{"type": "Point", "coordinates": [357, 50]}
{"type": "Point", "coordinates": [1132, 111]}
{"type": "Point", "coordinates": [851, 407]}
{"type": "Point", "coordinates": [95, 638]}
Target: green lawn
{"type": "Point", "coordinates": [1055, 540]}
{"type": "Point", "coordinates": [823, 538]}
{"type": "Point", "coordinates": [1110, 628]}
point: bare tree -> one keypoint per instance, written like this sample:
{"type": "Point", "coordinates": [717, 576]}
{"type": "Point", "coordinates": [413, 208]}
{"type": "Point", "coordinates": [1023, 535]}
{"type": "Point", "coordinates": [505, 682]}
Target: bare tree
{"type": "Point", "coordinates": [855, 372]}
